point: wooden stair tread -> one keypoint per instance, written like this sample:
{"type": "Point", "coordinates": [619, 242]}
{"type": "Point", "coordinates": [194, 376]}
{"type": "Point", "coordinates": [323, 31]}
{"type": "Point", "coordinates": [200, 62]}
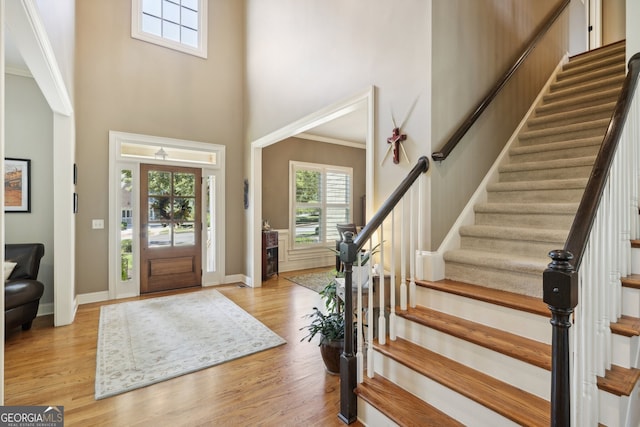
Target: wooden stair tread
{"type": "Point", "coordinates": [509, 401]}
{"type": "Point", "coordinates": [627, 326]}
{"type": "Point", "coordinates": [524, 349]}
{"type": "Point", "coordinates": [481, 293]}
{"type": "Point", "coordinates": [401, 406]}
{"type": "Point", "coordinates": [631, 281]}
{"type": "Point", "coordinates": [619, 381]}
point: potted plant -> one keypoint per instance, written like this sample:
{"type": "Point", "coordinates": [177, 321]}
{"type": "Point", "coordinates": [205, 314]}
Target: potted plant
{"type": "Point", "coordinates": [329, 325]}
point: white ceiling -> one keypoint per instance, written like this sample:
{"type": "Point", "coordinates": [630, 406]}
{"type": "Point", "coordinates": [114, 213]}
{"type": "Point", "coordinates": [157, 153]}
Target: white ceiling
{"type": "Point", "coordinates": [12, 57]}
{"type": "Point", "coordinates": [351, 127]}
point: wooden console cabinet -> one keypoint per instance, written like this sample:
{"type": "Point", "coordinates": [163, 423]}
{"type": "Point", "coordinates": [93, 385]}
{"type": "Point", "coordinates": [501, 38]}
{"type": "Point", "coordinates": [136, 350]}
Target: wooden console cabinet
{"type": "Point", "coordinates": [269, 254]}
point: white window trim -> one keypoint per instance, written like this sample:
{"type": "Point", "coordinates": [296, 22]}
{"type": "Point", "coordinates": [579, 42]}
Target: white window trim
{"type": "Point", "coordinates": [137, 33]}
{"type": "Point", "coordinates": [292, 197]}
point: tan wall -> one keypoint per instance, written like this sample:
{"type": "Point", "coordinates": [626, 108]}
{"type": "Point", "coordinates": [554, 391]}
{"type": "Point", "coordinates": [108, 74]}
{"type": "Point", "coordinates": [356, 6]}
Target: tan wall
{"type": "Point", "coordinates": [275, 174]}
{"type": "Point", "coordinates": [128, 85]}
{"type": "Point", "coordinates": [613, 21]}
{"type": "Point", "coordinates": [473, 44]}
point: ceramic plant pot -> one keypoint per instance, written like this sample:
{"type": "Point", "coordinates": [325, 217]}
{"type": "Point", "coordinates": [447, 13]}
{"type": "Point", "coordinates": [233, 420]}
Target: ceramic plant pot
{"type": "Point", "coordinates": [331, 351]}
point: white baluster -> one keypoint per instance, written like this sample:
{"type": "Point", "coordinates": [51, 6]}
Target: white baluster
{"type": "Point", "coordinates": [392, 284]}
{"type": "Point", "coordinates": [403, 257]}
{"type": "Point", "coordinates": [382, 324]}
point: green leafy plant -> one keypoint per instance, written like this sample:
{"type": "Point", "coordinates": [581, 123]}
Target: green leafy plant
{"type": "Point", "coordinates": [328, 323]}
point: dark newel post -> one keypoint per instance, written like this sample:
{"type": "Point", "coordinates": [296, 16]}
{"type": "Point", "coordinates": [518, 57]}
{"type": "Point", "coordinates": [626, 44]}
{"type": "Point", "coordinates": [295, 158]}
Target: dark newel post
{"type": "Point", "coordinates": [560, 292]}
{"type": "Point", "coordinates": [348, 365]}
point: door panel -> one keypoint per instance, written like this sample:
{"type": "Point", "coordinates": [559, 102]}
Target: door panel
{"type": "Point", "coordinates": [170, 224]}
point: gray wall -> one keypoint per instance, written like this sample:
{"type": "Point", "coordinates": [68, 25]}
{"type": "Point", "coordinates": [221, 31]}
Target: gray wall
{"type": "Point", "coordinates": [29, 135]}
{"type": "Point", "coordinates": [474, 43]}
{"type": "Point", "coordinates": [275, 174]}
{"type": "Point", "coordinates": [128, 85]}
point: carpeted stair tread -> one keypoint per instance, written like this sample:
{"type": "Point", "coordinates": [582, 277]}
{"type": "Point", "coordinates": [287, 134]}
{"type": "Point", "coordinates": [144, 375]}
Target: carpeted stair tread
{"type": "Point", "coordinates": [578, 67]}
{"type": "Point", "coordinates": [548, 164]}
{"type": "Point", "coordinates": [619, 381]}
{"type": "Point", "coordinates": [627, 326]}
{"type": "Point", "coordinates": [401, 406]}
{"type": "Point", "coordinates": [558, 216]}
{"type": "Point", "coordinates": [520, 348]}
{"type": "Point", "coordinates": [615, 80]}
{"type": "Point", "coordinates": [493, 296]}
{"type": "Point", "coordinates": [514, 233]}
{"type": "Point", "coordinates": [613, 49]}
{"type": "Point", "coordinates": [550, 184]}
{"type": "Point", "coordinates": [574, 116]}
{"type": "Point", "coordinates": [597, 126]}
{"type": "Point", "coordinates": [527, 208]}
{"type": "Point", "coordinates": [509, 401]}
{"type": "Point", "coordinates": [566, 81]}
{"type": "Point", "coordinates": [498, 261]}
{"type": "Point", "coordinates": [582, 101]}
{"type": "Point", "coordinates": [556, 146]}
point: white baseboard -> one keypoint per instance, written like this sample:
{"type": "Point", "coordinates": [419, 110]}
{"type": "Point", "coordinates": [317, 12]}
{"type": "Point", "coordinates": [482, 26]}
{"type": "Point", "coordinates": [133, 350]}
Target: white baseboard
{"type": "Point", "coordinates": [45, 309]}
{"type": "Point", "coordinates": [93, 297]}
{"type": "Point", "coordinates": [429, 265]}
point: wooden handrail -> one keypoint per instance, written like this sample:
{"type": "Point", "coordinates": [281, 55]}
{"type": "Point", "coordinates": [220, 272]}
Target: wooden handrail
{"type": "Point", "coordinates": [484, 103]}
{"type": "Point", "coordinates": [581, 227]}
{"type": "Point", "coordinates": [348, 253]}
{"type": "Point", "coordinates": [422, 165]}
{"type": "Point", "coordinates": [560, 280]}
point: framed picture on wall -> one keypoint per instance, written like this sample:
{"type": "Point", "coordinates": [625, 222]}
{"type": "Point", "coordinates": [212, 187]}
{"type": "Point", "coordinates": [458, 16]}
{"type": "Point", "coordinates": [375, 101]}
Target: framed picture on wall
{"type": "Point", "coordinates": [17, 185]}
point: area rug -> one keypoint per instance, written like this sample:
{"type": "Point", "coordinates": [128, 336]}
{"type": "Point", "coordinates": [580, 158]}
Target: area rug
{"type": "Point", "coordinates": [144, 342]}
{"type": "Point", "coordinates": [314, 281]}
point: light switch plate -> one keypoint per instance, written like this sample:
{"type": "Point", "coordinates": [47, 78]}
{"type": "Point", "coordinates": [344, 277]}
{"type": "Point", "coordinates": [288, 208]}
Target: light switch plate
{"type": "Point", "coordinates": [97, 224]}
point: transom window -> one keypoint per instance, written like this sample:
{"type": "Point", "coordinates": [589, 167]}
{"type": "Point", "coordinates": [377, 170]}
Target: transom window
{"type": "Point", "coordinates": [176, 24]}
{"type": "Point", "coordinates": [321, 197]}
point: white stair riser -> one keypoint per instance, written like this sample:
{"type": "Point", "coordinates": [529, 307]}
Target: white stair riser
{"type": "Point", "coordinates": [527, 377]}
{"type": "Point", "coordinates": [619, 410]}
{"type": "Point", "coordinates": [517, 322]}
{"type": "Point", "coordinates": [635, 260]}
{"type": "Point", "coordinates": [515, 247]}
{"type": "Point", "coordinates": [626, 351]}
{"type": "Point", "coordinates": [514, 281]}
{"type": "Point", "coordinates": [631, 301]}
{"type": "Point", "coordinates": [370, 416]}
{"type": "Point", "coordinates": [455, 405]}
{"type": "Point", "coordinates": [559, 221]}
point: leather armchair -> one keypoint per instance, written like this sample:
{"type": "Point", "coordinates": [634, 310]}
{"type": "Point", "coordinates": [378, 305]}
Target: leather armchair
{"type": "Point", "coordinates": [22, 290]}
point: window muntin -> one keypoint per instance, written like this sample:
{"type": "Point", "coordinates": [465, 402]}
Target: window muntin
{"type": "Point", "coordinates": [176, 24]}
{"type": "Point", "coordinates": [322, 196]}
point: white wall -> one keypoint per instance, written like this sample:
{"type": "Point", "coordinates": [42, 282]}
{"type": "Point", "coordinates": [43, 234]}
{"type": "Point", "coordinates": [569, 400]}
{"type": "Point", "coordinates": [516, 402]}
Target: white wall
{"type": "Point", "coordinates": [305, 55]}
{"type": "Point", "coordinates": [29, 135]}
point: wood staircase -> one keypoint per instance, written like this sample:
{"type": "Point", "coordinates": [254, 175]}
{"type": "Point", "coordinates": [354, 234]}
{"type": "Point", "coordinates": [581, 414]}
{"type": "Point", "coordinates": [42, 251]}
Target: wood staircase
{"type": "Point", "coordinates": [476, 348]}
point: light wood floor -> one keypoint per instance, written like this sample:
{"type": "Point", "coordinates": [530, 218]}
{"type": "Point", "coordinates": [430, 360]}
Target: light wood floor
{"type": "Point", "coordinates": [284, 386]}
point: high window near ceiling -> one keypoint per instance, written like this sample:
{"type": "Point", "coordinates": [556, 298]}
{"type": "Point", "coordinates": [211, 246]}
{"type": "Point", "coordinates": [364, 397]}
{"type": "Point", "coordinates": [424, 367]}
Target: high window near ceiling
{"type": "Point", "coordinates": [322, 196]}
{"type": "Point", "coordinates": [176, 24]}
